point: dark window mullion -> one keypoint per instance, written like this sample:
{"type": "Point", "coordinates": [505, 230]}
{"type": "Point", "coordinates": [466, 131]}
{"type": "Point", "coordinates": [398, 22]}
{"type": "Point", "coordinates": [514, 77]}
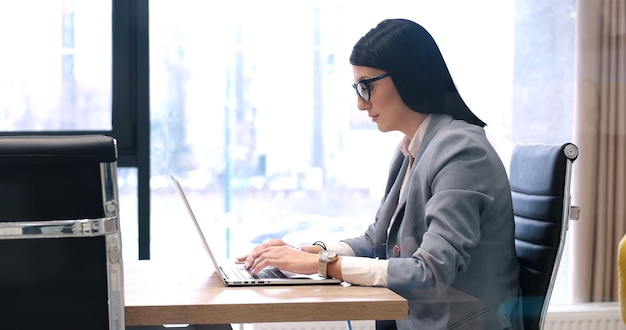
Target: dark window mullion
{"type": "Point", "coordinates": [131, 120]}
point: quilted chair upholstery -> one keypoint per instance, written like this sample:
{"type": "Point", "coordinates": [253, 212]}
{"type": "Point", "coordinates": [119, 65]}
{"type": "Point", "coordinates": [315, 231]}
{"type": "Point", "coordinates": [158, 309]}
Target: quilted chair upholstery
{"type": "Point", "coordinates": [540, 177]}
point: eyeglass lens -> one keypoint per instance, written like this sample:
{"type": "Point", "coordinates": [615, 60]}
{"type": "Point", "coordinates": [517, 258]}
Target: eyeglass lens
{"type": "Point", "coordinates": [364, 91]}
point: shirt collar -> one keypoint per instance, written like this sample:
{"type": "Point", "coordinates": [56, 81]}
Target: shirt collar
{"type": "Point", "coordinates": [410, 146]}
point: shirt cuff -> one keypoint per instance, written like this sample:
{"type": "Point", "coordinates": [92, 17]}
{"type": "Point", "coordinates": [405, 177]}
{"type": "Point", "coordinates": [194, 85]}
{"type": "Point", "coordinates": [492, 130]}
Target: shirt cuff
{"type": "Point", "coordinates": [342, 249]}
{"type": "Point", "coordinates": [364, 271]}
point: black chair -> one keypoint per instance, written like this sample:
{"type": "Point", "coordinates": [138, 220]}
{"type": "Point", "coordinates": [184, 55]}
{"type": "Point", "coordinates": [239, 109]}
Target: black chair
{"type": "Point", "coordinates": [60, 244]}
{"type": "Point", "coordinates": [540, 176]}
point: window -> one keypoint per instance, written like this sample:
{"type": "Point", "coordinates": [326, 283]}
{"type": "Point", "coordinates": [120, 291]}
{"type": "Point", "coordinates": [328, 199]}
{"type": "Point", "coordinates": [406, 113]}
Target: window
{"type": "Point", "coordinates": [56, 77]}
{"type": "Point", "coordinates": [55, 72]}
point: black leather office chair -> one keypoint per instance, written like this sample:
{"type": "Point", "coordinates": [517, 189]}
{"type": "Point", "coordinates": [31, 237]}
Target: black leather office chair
{"type": "Point", "coordinates": [60, 244]}
{"type": "Point", "coordinates": [540, 176]}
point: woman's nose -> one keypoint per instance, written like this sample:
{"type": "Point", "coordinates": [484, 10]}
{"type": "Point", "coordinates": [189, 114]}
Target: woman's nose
{"type": "Point", "coordinates": [361, 104]}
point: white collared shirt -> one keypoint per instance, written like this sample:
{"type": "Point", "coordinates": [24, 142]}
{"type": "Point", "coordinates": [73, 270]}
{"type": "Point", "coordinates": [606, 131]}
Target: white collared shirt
{"type": "Point", "coordinates": [373, 271]}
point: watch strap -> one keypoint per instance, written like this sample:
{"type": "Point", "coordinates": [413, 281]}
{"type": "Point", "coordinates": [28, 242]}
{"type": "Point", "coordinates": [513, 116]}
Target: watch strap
{"type": "Point", "coordinates": [322, 269]}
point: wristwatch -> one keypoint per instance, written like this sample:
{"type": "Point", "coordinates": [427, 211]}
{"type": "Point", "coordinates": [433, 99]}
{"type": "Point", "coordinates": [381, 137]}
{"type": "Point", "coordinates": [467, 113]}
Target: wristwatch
{"type": "Point", "coordinates": [326, 257]}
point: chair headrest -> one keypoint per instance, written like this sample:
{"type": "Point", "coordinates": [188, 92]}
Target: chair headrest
{"type": "Point", "coordinates": [57, 149]}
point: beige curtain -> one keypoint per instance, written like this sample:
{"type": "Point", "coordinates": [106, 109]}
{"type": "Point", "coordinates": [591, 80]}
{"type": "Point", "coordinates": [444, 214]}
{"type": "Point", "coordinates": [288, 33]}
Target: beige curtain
{"type": "Point", "coordinates": [599, 176]}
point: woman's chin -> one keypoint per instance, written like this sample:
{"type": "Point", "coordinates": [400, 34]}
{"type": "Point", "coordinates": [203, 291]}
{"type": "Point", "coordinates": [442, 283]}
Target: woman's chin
{"type": "Point", "coordinates": [383, 128]}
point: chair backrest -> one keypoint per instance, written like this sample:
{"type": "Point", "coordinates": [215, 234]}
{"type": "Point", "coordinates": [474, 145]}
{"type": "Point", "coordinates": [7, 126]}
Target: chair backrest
{"type": "Point", "coordinates": [540, 176]}
{"type": "Point", "coordinates": [60, 244]}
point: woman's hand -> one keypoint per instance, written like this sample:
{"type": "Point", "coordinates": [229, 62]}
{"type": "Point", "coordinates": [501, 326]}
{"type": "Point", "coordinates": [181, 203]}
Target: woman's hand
{"type": "Point", "coordinates": [311, 248]}
{"type": "Point", "coordinates": [249, 259]}
{"type": "Point", "coordinates": [276, 253]}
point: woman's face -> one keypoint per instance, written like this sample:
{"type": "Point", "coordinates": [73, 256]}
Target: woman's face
{"type": "Point", "coordinates": [385, 106]}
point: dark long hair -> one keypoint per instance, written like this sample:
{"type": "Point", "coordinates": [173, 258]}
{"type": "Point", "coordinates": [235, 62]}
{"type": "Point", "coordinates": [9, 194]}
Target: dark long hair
{"type": "Point", "coordinates": [411, 56]}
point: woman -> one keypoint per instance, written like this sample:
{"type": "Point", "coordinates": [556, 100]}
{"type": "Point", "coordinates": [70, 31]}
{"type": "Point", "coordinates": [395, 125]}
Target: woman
{"type": "Point", "coordinates": [443, 236]}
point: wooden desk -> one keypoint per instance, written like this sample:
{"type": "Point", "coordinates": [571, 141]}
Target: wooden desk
{"type": "Point", "coordinates": [159, 293]}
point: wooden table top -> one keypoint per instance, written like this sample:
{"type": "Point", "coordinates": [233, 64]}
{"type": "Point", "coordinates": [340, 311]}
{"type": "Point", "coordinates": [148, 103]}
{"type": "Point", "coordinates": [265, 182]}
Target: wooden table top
{"type": "Point", "coordinates": [159, 293]}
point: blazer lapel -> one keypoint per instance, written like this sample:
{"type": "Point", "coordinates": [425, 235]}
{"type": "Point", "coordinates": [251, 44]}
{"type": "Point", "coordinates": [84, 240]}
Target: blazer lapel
{"type": "Point", "coordinates": [389, 209]}
{"type": "Point", "coordinates": [396, 217]}
{"type": "Point", "coordinates": [394, 205]}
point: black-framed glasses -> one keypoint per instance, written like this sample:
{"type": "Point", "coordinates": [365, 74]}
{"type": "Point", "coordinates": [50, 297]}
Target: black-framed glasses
{"type": "Point", "coordinates": [363, 88]}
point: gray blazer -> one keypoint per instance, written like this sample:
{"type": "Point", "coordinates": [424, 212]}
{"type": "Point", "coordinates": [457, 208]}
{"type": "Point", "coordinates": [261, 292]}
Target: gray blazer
{"type": "Point", "coordinates": [451, 246]}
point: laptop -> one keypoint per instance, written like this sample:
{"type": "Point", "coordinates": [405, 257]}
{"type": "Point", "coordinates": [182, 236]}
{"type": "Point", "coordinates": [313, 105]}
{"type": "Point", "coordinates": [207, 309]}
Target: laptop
{"type": "Point", "coordinates": [233, 273]}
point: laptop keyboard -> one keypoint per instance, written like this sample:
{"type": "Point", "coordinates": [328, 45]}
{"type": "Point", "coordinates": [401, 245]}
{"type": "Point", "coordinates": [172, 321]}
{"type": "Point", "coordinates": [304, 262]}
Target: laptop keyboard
{"type": "Point", "coordinates": [270, 272]}
{"type": "Point", "coordinates": [266, 273]}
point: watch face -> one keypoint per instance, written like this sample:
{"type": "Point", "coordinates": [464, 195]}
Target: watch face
{"type": "Point", "coordinates": [328, 255]}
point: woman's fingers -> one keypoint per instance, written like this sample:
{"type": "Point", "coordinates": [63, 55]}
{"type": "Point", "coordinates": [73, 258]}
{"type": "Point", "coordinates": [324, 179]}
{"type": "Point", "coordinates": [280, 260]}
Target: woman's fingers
{"type": "Point", "coordinates": [284, 257]}
{"type": "Point", "coordinates": [250, 259]}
